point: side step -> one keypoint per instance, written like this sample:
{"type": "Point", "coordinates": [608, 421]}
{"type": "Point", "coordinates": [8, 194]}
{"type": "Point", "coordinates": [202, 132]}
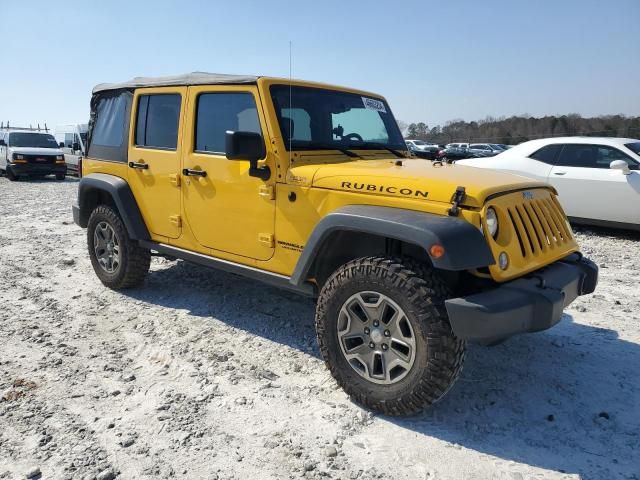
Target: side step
{"type": "Point", "coordinates": [270, 278]}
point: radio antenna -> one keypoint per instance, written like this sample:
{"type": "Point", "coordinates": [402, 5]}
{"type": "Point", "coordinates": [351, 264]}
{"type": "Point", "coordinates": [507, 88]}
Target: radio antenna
{"type": "Point", "coordinates": [290, 101]}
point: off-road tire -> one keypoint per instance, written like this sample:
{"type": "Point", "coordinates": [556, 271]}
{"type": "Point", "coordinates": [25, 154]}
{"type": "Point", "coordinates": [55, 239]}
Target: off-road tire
{"type": "Point", "coordinates": [60, 176]}
{"type": "Point", "coordinates": [11, 176]}
{"type": "Point", "coordinates": [420, 292]}
{"type": "Point", "coordinates": [135, 260]}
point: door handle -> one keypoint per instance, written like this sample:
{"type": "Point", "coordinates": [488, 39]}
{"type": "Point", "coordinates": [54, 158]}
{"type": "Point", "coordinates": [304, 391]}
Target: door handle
{"type": "Point", "coordinates": [559, 173]}
{"type": "Point", "coordinates": [139, 165]}
{"type": "Point", "coordinates": [188, 172]}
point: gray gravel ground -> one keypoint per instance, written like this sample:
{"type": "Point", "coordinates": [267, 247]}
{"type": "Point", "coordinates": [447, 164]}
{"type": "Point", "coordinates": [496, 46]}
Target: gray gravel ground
{"type": "Point", "coordinates": [201, 374]}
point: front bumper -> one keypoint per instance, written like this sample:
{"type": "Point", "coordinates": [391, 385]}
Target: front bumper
{"type": "Point", "coordinates": [37, 168]}
{"type": "Point", "coordinates": [529, 304]}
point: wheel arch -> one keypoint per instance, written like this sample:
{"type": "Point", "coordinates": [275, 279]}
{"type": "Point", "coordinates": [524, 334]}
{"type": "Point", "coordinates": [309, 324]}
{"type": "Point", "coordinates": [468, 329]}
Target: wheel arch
{"type": "Point", "coordinates": [104, 189]}
{"type": "Point", "coordinates": [362, 230]}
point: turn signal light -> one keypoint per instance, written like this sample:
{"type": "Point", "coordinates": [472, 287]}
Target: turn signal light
{"type": "Point", "coordinates": [19, 161]}
{"type": "Point", "coordinates": [436, 250]}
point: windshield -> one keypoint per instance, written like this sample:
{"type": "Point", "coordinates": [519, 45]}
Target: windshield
{"type": "Point", "coordinates": [634, 147]}
{"type": "Point", "coordinates": [495, 146]}
{"type": "Point", "coordinates": [315, 118]}
{"type": "Point", "coordinates": [33, 140]}
{"type": "Point", "coordinates": [419, 142]}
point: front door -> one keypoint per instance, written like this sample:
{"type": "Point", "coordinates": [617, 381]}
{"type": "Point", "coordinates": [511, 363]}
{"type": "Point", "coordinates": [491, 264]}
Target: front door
{"type": "Point", "coordinates": [154, 157]}
{"type": "Point", "coordinates": [227, 209]}
{"type": "Point", "coordinates": [588, 188]}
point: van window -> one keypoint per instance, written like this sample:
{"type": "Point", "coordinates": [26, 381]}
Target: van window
{"type": "Point", "coordinates": [218, 112]}
{"type": "Point", "coordinates": [157, 121]}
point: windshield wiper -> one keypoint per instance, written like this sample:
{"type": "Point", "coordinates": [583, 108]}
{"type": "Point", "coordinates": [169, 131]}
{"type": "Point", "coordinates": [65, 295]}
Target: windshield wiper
{"type": "Point", "coordinates": [382, 146]}
{"type": "Point", "coordinates": [329, 146]}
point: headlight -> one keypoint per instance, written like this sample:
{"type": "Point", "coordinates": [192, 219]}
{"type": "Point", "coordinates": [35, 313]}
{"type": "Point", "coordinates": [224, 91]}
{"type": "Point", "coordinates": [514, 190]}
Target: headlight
{"type": "Point", "coordinates": [59, 157]}
{"type": "Point", "coordinates": [492, 222]}
{"type": "Point", "coordinates": [17, 156]}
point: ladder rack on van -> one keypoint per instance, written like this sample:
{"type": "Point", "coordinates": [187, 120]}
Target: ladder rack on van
{"type": "Point", "coordinates": [8, 127]}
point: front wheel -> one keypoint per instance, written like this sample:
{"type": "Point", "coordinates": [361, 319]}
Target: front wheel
{"type": "Point", "coordinates": [60, 176]}
{"type": "Point", "coordinates": [11, 176]}
{"type": "Point", "coordinates": [117, 260]}
{"type": "Point", "coordinates": [385, 336]}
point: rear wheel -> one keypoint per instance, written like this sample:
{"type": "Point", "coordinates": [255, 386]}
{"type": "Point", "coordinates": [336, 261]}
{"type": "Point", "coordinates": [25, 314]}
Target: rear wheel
{"type": "Point", "coordinates": [117, 260]}
{"type": "Point", "coordinates": [385, 336]}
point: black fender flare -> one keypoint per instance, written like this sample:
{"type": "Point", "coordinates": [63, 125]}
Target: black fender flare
{"type": "Point", "coordinates": [120, 191]}
{"type": "Point", "coordinates": [465, 246]}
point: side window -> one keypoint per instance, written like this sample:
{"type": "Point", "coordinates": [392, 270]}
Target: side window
{"type": "Point", "coordinates": [157, 121]}
{"type": "Point", "coordinates": [585, 156]}
{"type": "Point", "coordinates": [547, 154]}
{"type": "Point", "coordinates": [111, 119]}
{"type": "Point", "coordinates": [298, 121]}
{"type": "Point", "coordinates": [218, 112]}
{"type": "Point", "coordinates": [606, 155]}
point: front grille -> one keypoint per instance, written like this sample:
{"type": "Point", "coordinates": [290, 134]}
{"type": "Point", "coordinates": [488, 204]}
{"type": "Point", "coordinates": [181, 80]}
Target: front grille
{"type": "Point", "coordinates": [40, 159]}
{"type": "Point", "coordinates": [539, 225]}
{"type": "Point", "coordinates": [532, 231]}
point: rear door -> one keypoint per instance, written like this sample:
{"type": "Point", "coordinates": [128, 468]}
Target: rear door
{"type": "Point", "coordinates": [589, 189]}
{"type": "Point", "coordinates": [154, 157]}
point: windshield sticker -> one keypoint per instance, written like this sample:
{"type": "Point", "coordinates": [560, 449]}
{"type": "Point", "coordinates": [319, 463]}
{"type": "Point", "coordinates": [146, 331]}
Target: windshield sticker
{"type": "Point", "coordinates": [373, 104]}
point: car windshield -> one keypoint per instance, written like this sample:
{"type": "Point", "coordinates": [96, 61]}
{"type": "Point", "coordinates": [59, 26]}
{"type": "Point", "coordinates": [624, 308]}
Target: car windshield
{"type": "Point", "coordinates": [319, 119]}
{"type": "Point", "coordinates": [419, 142]}
{"type": "Point", "coordinates": [33, 140]}
{"type": "Point", "coordinates": [634, 147]}
{"type": "Point", "coordinates": [495, 146]}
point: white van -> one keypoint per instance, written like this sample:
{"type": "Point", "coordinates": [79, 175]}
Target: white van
{"type": "Point", "coordinates": [72, 139]}
{"type": "Point", "coordinates": [30, 153]}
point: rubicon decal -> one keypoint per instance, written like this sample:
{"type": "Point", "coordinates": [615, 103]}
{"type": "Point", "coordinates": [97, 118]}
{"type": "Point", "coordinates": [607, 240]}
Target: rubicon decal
{"type": "Point", "coordinates": [371, 187]}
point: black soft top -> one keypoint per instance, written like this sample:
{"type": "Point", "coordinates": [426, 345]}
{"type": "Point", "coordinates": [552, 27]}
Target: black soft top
{"type": "Point", "coordinates": [193, 78]}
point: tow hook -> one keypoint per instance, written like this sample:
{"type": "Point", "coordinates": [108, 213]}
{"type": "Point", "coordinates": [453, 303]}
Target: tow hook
{"type": "Point", "coordinates": [457, 198]}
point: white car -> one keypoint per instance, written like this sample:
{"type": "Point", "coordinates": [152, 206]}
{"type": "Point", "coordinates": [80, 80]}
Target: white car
{"type": "Point", "coordinates": [598, 179]}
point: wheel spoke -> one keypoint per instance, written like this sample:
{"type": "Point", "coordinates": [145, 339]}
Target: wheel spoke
{"type": "Point", "coordinates": [376, 337]}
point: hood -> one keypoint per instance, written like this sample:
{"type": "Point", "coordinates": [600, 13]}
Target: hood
{"type": "Point", "coordinates": [36, 151]}
{"type": "Point", "coordinates": [415, 178]}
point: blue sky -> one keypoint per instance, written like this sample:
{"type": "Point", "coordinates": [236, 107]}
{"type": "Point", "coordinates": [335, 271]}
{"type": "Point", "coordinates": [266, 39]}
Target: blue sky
{"type": "Point", "coordinates": [433, 60]}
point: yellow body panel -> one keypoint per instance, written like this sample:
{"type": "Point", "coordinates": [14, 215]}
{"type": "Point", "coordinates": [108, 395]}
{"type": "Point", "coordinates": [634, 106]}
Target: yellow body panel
{"type": "Point", "coordinates": [155, 188]}
{"type": "Point", "coordinates": [228, 210]}
{"type": "Point", "coordinates": [236, 217]}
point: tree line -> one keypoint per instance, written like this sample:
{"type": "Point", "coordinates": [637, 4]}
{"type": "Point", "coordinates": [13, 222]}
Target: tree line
{"type": "Point", "coordinates": [517, 129]}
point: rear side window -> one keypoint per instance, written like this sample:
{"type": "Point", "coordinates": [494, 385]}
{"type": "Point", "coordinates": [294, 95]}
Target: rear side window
{"type": "Point", "coordinates": [219, 112]}
{"type": "Point", "coordinates": [547, 154]}
{"type": "Point", "coordinates": [109, 126]}
{"type": "Point", "coordinates": [157, 121]}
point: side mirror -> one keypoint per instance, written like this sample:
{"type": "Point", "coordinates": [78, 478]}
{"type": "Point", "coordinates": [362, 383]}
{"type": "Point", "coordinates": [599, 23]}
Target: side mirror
{"type": "Point", "coordinates": [75, 147]}
{"type": "Point", "coordinates": [61, 144]}
{"type": "Point", "coordinates": [2, 143]}
{"type": "Point", "coordinates": [620, 165]}
{"type": "Point", "coordinates": [247, 146]}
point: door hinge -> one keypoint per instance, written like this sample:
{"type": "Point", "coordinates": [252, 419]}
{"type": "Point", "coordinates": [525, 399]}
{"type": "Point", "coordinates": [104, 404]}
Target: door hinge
{"type": "Point", "coordinates": [267, 192]}
{"type": "Point", "coordinates": [175, 179]}
{"type": "Point", "coordinates": [266, 239]}
{"type": "Point", "coordinates": [176, 220]}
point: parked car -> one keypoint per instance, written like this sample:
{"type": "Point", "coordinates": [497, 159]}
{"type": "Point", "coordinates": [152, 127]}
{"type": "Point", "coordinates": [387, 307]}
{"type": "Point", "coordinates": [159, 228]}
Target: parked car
{"type": "Point", "coordinates": [72, 139]}
{"type": "Point", "coordinates": [423, 149]}
{"type": "Point", "coordinates": [597, 179]}
{"type": "Point", "coordinates": [408, 260]}
{"type": "Point", "coordinates": [30, 153]}
{"type": "Point", "coordinates": [490, 149]}
{"type": "Point", "coordinates": [453, 154]}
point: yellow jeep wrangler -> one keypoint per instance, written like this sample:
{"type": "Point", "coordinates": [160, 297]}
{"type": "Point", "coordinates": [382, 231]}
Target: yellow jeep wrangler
{"type": "Point", "coordinates": [310, 188]}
